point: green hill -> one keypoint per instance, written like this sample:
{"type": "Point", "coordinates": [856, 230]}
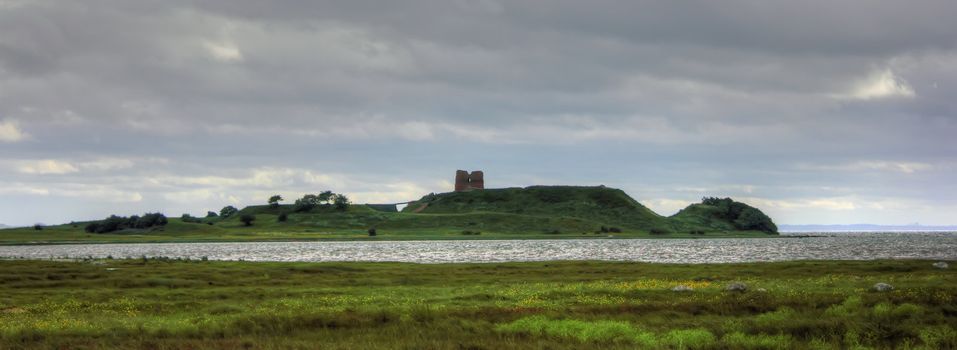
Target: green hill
{"type": "Point", "coordinates": [597, 206]}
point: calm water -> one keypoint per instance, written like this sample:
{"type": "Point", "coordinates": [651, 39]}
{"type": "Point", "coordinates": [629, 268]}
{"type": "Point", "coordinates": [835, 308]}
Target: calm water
{"type": "Point", "coordinates": [845, 246]}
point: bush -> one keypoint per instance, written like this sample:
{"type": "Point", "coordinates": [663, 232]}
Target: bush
{"type": "Point", "coordinates": [659, 231]}
{"type": "Point", "coordinates": [306, 203]}
{"type": "Point", "coordinates": [341, 202]}
{"type": "Point", "coordinates": [117, 223]}
{"type": "Point", "coordinates": [753, 219]}
{"type": "Point", "coordinates": [742, 215]}
{"type": "Point", "coordinates": [580, 330]}
{"type": "Point", "coordinates": [372, 232]}
{"type": "Point", "coordinates": [151, 219]}
{"type": "Point", "coordinates": [228, 211]}
{"type": "Point", "coordinates": [939, 337]}
{"type": "Point", "coordinates": [471, 233]}
{"type": "Point", "coordinates": [190, 219]}
{"type": "Point", "coordinates": [38, 227]}
{"type": "Point", "coordinates": [247, 219]}
{"type": "Point", "coordinates": [283, 217]}
{"type": "Point", "coordinates": [738, 340]}
{"type": "Point", "coordinates": [211, 214]}
{"type": "Point", "coordinates": [689, 339]}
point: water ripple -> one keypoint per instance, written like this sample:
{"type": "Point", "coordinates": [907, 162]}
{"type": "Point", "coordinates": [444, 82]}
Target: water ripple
{"type": "Point", "coordinates": [835, 246]}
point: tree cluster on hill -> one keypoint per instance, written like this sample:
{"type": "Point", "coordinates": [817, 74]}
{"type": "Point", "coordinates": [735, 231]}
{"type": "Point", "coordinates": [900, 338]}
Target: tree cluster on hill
{"type": "Point", "coordinates": [228, 211]}
{"type": "Point", "coordinates": [742, 215]}
{"type": "Point", "coordinates": [117, 223]}
{"type": "Point", "coordinates": [325, 198]}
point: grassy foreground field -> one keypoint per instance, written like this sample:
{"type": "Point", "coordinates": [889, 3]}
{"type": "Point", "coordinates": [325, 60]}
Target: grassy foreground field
{"type": "Point", "coordinates": [167, 304]}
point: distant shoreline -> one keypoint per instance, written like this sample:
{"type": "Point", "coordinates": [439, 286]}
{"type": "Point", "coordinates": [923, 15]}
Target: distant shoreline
{"type": "Point", "coordinates": [864, 228]}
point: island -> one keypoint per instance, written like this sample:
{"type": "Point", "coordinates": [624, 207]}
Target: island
{"type": "Point", "coordinates": [533, 212]}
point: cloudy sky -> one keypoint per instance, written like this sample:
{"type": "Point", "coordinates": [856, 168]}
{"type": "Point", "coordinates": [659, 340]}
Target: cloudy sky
{"type": "Point", "coordinates": [817, 111]}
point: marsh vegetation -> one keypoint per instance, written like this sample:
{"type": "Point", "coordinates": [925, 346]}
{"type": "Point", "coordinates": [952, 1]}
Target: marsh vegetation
{"type": "Point", "coordinates": [168, 303]}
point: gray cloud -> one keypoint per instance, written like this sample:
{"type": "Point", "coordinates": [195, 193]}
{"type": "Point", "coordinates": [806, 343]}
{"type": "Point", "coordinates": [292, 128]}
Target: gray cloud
{"type": "Point", "coordinates": [813, 109]}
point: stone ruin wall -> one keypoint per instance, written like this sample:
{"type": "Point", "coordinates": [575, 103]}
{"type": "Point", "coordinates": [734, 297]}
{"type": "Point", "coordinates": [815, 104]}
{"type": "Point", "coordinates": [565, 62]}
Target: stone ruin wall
{"type": "Point", "coordinates": [465, 181]}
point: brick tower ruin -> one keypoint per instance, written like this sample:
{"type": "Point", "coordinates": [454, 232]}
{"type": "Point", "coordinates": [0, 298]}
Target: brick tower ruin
{"type": "Point", "coordinates": [464, 181]}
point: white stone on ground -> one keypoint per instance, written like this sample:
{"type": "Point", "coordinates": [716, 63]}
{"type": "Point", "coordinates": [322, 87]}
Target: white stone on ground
{"type": "Point", "coordinates": [883, 287]}
{"type": "Point", "coordinates": [682, 288]}
{"type": "Point", "coordinates": [736, 287]}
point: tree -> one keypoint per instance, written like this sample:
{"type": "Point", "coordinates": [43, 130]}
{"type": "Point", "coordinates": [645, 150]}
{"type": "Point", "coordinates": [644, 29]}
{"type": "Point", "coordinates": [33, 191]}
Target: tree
{"type": "Point", "coordinates": [274, 201]}
{"type": "Point", "coordinates": [753, 219]}
{"type": "Point", "coordinates": [228, 211]}
{"type": "Point", "coordinates": [247, 219]}
{"type": "Point", "coordinates": [114, 223]}
{"type": "Point", "coordinates": [38, 227]}
{"type": "Point", "coordinates": [190, 219]}
{"type": "Point", "coordinates": [211, 214]}
{"type": "Point", "coordinates": [306, 203]}
{"type": "Point", "coordinates": [341, 202]}
{"type": "Point", "coordinates": [326, 197]}
{"type": "Point", "coordinates": [117, 223]}
{"type": "Point", "coordinates": [149, 220]}
{"type": "Point", "coordinates": [92, 227]}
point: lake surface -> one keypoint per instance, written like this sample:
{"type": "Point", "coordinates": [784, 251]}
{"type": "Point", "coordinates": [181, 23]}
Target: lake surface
{"type": "Point", "coordinates": [822, 246]}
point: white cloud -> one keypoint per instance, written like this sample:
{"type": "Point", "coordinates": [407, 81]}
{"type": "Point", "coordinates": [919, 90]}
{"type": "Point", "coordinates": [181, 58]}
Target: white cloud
{"type": "Point", "coordinates": [47, 166]}
{"type": "Point", "coordinates": [810, 203]}
{"type": "Point", "coordinates": [104, 164]}
{"type": "Point", "coordinates": [871, 165]}
{"type": "Point", "coordinates": [10, 131]}
{"type": "Point", "coordinates": [390, 193]}
{"type": "Point", "coordinates": [223, 51]}
{"type": "Point", "coordinates": [904, 167]}
{"type": "Point", "coordinates": [881, 84]}
{"type": "Point", "coordinates": [60, 167]}
{"type": "Point", "coordinates": [92, 192]}
{"type": "Point", "coordinates": [21, 188]}
{"type": "Point", "coordinates": [666, 206]}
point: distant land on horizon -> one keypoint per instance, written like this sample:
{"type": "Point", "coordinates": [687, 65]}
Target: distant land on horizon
{"type": "Point", "coordinates": [5, 226]}
{"type": "Point", "coordinates": [864, 227]}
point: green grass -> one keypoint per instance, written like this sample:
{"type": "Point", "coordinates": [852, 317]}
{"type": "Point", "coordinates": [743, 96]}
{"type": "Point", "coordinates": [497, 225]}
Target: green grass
{"type": "Point", "coordinates": [529, 213]}
{"type": "Point", "coordinates": [172, 304]}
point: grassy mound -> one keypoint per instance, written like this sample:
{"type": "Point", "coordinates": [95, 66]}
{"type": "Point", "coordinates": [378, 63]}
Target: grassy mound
{"type": "Point", "coordinates": [601, 206]}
